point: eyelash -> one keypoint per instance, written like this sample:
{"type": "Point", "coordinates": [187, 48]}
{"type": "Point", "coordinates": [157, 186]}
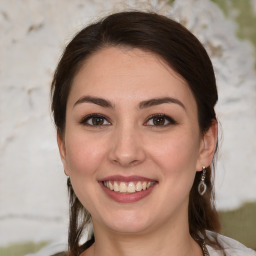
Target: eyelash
{"type": "Point", "coordinates": [170, 120]}
{"type": "Point", "coordinates": [85, 120]}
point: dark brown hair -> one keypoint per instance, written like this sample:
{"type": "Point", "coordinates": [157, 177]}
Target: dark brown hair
{"type": "Point", "coordinates": [182, 51]}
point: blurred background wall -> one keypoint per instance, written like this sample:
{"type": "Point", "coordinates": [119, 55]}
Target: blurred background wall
{"type": "Point", "coordinates": [33, 33]}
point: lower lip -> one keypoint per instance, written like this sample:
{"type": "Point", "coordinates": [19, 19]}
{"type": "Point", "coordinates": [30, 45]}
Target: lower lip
{"type": "Point", "coordinates": [127, 197]}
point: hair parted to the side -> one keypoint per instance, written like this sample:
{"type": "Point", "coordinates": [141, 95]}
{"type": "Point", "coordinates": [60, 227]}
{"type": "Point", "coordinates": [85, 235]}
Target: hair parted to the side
{"type": "Point", "coordinates": [182, 51]}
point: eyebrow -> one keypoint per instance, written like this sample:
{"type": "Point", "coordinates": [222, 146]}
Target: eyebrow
{"type": "Point", "coordinates": [144, 104]}
{"type": "Point", "coordinates": [95, 100]}
{"type": "Point", "coordinates": [158, 101]}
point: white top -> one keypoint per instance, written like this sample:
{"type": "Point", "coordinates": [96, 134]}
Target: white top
{"type": "Point", "coordinates": [231, 247]}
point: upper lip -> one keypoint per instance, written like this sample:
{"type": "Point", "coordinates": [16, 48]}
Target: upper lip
{"type": "Point", "coordinates": [126, 178]}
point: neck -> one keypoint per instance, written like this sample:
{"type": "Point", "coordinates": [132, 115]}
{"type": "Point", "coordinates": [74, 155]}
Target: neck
{"type": "Point", "coordinates": [165, 241]}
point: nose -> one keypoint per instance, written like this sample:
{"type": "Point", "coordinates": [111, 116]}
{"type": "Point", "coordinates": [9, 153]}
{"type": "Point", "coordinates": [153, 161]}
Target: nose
{"type": "Point", "coordinates": [127, 147]}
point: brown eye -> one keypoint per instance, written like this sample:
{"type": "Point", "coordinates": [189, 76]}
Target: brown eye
{"type": "Point", "coordinates": [160, 120]}
{"type": "Point", "coordinates": [95, 120]}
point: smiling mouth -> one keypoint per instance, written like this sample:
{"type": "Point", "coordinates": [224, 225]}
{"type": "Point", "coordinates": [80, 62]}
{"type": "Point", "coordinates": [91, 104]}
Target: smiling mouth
{"type": "Point", "coordinates": [128, 187]}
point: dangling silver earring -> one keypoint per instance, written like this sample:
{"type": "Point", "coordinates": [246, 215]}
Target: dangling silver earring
{"type": "Point", "coordinates": [202, 186]}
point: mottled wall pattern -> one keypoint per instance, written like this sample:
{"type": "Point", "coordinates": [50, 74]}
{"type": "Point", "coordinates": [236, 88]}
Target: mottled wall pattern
{"type": "Point", "coordinates": [33, 200]}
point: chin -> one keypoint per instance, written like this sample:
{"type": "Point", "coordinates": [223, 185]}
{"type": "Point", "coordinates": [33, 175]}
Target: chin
{"type": "Point", "coordinates": [130, 224]}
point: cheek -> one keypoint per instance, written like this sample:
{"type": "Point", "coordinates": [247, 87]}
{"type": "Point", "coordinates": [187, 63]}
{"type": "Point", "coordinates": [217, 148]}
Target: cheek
{"type": "Point", "coordinates": [84, 153]}
{"type": "Point", "coordinates": [177, 162]}
{"type": "Point", "coordinates": [176, 155]}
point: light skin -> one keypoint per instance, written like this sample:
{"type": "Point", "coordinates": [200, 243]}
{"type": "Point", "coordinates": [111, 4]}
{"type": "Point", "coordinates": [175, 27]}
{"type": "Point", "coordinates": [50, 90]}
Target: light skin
{"type": "Point", "coordinates": [147, 126]}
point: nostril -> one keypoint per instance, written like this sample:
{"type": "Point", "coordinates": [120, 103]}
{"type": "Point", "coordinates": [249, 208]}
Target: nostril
{"type": "Point", "coordinates": [126, 162]}
{"type": "Point", "coordinates": [126, 150]}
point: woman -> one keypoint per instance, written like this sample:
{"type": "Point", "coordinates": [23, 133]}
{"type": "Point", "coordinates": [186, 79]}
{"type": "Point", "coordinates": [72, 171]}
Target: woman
{"type": "Point", "coordinates": [133, 101]}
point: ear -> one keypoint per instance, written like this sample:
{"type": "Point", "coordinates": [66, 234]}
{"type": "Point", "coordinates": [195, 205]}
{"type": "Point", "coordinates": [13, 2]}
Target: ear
{"type": "Point", "coordinates": [62, 151]}
{"type": "Point", "coordinates": [207, 146]}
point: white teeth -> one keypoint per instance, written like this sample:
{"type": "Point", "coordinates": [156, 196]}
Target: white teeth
{"type": "Point", "coordinates": [138, 186]}
{"type": "Point", "coordinates": [116, 187]}
{"type": "Point", "coordinates": [130, 187]}
{"type": "Point", "coordinates": [110, 186]}
{"type": "Point", "coordinates": [122, 187]}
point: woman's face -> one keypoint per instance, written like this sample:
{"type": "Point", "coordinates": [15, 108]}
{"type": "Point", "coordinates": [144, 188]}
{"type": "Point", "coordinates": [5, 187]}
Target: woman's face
{"type": "Point", "coordinates": [132, 143]}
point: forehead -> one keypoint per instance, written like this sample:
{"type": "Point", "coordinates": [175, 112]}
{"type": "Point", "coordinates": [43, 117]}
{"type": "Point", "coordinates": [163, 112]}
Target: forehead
{"type": "Point", "coordinates": [122, 73]}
